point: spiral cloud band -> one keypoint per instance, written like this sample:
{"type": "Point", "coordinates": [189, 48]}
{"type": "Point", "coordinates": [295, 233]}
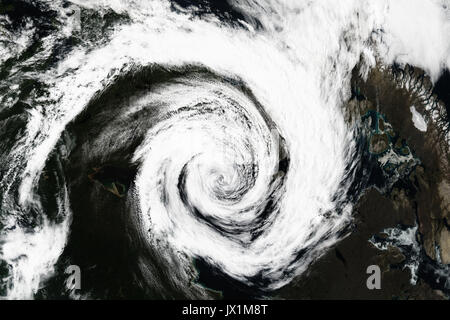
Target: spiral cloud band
{"type": "Point", "coordinates": [210, 183]}
{"type": "Point", "coordinates": [234, 141]}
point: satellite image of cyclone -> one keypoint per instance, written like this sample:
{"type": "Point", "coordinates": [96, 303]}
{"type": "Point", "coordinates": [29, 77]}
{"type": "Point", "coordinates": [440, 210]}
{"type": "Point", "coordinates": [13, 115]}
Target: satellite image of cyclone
{"type": "Point", "coordinates": [224, 149]}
